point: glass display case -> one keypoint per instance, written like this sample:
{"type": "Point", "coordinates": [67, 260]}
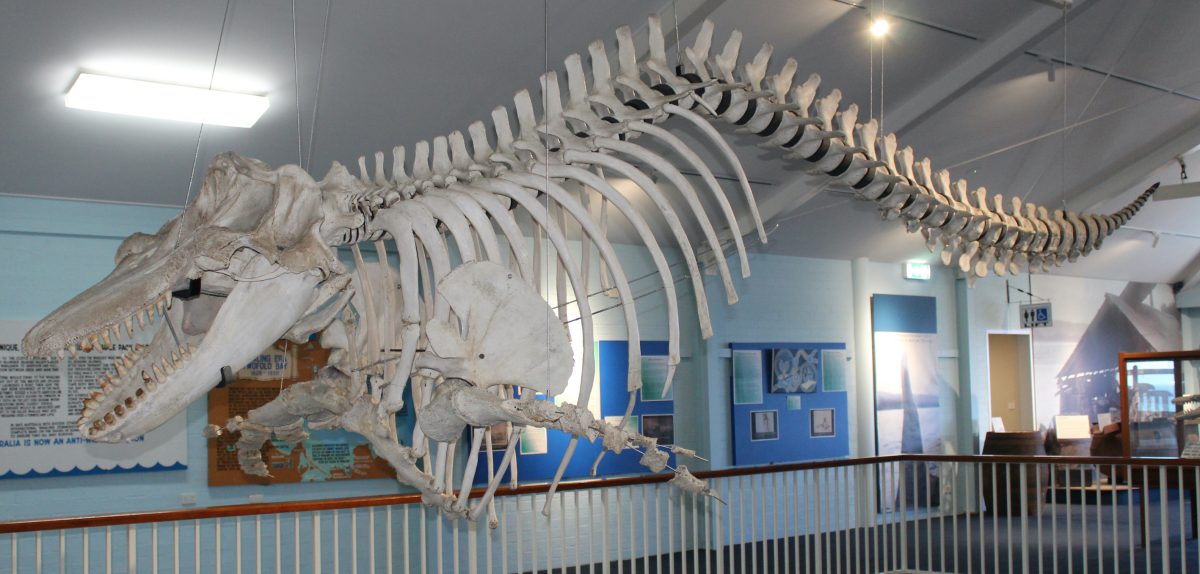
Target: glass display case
{"type": "Point", "coordinates": [1157, 389]}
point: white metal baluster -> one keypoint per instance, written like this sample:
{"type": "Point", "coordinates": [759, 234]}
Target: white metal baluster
{"type": "Point", "coordinates": [633, 530]}
{"type": "Point", "coordinates": [592, 532]}
{"type": "Point", "coordinates": [533, 532]}
{"type": "Point", "coordinates": [1112, 481]}
{"type": "Point", "coordinates": [87, 559]}
{"type": "Point", "coordinates": [774, 504]}
{"type": "Point", "coordinates": [1037, 481]}
{"type": "Point", "coordinates": [888, 518]}
{"type": "Point", "coordinates": [422, 532]}
{"type": "Point", "coordinates": [1196, 500]}
{"type": "Point", "coordinates": [696, 540]}
{"type": "Point", "coordinates": [793, 490]}
{"type": "Point", "coordinates": [658, 550]}
{"type": "Point", "coordinates": [759, 511]}
{"type": "Point", "coordinates": [604, 530]}
{"type": "Point", "coordinates": [387, 531]}
{"type": "Point", "coordinates": [789, 519]}
{"type": "Point", "coordinates": [718, 509]}
{"type": "Point", "coordinates": [617, 537]}
{"type": "Point", "coordinates": [1070, 525]}
{"type": "Point", "coordinates": [877, 518]}
{"type": "Point", "coordinates": [954, 496]}
{"type": "Point", "coordinates": [1024, 506]}
{"type": "Point", "coordinates": [839, 505]}
{"type": "Point", "coordinates": [982, 518]}
{"type": "Point", "coordinates": [237, 544]}
{"type": "Point", "coordinates": [995, 521]}
{"type": "Point", "coordinates": [1146, 513]}
{"type": "Point", "coordinates": [562, 520]}
{"type": "Point", "coordinates": [974, 472]}
{"type": "Point", "coordinates": [63, 551]}
{"type": "Point", "coordinates": [1163, 506]}
{"type": "Point", "coordinates": [296, 542]}
{"type": "Point", "coordinates": [503, 535]}
{"type": "Point", "coordinates": [257, 544]}
{"type": "Point", "coordinates": [1129, 515]}
{"type": "Point", "coordinates": [741, 529]}
{"type": "Point", "coordinates": [1182, 529]}
{"type": "Point", "coordinates": [316, 540]}
{"type": "Point", "coordinates": [645, 528]}
{"type": "Point", "coordinates": [278, 543]}
{"type": "Point", "coordinates": [1083, 525]}
{"type": "Point", "coordinates": [107, 550]}
{"type": "Point", "coordinates": [472, 547]}
{"type": "Point", "coordinates": [1099, 519]}
{"type": "Point", "coordinates": [942, 486]}
{"type": "Point", "coordinates": [370, 541]}
{"type": "Point", "coordinates": [37, 551]}
{"type": "Point", "coordinates": [808, 508]}
{"type": "Point", "coordinates": [578, 535]}
{"type": "Point", "coordinates": [1054, 518]}
{"type": "Point", "coordinates": [337, 540]}
{"type": "Point", "coordinates": [824, 519]}
{"type": "Point", "coordinates": [454, 535]}
{"type": "Point", "coordinates": [928, 517]}
{"type": "Point", "coordinates": [903, 505]}
{"type": "Point", "coordinates": [153, 547]}
{"type": "Point", "coordinates": [196, 546]}
{"type": "Point", "coordinates": [753, 524]}
{"type": "Point", "coordinates": [441, 547]}
{"type": "Point", "coordinates": [1008, 503]}
{"type": "Point", "coordinates": [12, 538]}
{"type": "Point", "coordinates": [867, 502]}
{"type": "Point", "coordinates": [841, 542]}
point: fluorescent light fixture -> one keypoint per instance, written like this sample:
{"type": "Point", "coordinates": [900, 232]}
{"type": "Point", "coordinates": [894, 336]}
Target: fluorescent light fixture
{"type": "Point", "coordinates": [880, 27]}
{"type": "Point", "coordinates": [918, 270]}
{"type": "Point", "coordinates": [165, 101]}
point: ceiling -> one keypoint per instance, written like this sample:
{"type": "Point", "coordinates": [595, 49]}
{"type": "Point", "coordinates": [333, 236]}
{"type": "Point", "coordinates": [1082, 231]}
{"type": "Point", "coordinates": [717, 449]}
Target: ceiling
{"type": "Point", "coordinates": [963, 83]}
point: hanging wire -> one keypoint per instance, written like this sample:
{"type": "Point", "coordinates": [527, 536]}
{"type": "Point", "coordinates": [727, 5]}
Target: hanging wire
{"type": "Point", "coordinates": [296, 77]}
{"type": "Point", "coordinates": [678, 40]}
{"type": "Point", "coordinates": [1065, 79]}
{"type": "Point", "coordinates": [312, 126]}
{"type": "Point", "coordinates": [1095, 93]}
{"type": "Point", "coordinates": [211, 75]}
{"type": "Point", "coordinates": [882, 54]}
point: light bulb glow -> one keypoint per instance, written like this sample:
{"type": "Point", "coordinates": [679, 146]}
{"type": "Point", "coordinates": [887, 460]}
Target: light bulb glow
{"type": "Point", "coordinates": [165, 101]}
{"type": "Point", "coordinates": [880, 27]}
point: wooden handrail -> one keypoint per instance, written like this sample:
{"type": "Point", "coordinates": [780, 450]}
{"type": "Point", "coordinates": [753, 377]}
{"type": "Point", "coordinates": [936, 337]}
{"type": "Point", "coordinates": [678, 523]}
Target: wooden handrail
{"type": "Point", "coordinates": [225, 511]}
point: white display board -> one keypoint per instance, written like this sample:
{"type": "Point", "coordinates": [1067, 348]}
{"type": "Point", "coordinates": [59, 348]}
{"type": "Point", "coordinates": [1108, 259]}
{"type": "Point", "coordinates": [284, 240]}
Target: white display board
{"type": "Point", "coordinates": [41, 399]}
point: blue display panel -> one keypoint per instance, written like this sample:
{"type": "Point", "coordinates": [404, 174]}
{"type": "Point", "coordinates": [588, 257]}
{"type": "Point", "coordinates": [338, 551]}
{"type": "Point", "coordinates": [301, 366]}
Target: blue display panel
{"type": "Point", "coordinates": [612, 361]}
{"type": "Point", "coordinates": [782, 411]}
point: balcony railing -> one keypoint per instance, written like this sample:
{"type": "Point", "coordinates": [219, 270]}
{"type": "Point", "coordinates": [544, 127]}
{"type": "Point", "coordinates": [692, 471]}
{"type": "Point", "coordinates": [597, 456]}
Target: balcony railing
{"type": "Point", "coordinates": [904, 513]}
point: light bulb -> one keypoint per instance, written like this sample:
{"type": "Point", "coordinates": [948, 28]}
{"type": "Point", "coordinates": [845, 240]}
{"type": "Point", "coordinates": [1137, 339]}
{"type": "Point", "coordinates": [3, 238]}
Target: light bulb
{"type": "Point", "coordinates": [880, 27]}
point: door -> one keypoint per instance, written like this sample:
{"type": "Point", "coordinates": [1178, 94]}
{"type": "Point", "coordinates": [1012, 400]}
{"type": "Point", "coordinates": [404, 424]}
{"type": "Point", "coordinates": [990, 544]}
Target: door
{"type": "Point", "coordinates": [1010, 378]}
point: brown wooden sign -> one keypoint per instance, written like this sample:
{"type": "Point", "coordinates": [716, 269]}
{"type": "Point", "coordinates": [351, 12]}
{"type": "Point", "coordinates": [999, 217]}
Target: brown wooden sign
{"type": "Point", "coordinates": [325, 455]}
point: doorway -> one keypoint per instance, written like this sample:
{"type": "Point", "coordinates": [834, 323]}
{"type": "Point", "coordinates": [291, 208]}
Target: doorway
{"type": "Point", "coordinates": [1010, 378]}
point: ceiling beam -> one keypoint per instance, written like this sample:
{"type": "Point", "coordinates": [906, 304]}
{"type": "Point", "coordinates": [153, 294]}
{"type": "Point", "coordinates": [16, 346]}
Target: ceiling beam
{"type": "Point", "coordinates": [1134, 166]}
{"type": "Point", "coordinates": [1012, 42]}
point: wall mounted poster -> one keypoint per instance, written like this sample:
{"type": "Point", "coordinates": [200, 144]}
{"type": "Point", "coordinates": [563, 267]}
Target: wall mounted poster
{"type": "Point", "coordinates": [539, 451]}
{"type": "Point", "coordinates": [908, 389]}
{"type": "Point", "coordinates": [794, 370]}
{"type": "Point", "coordinates": [41, 399]}
{"type": "Point", "coordinates": [747, 376]}
{"type": "Point", "coordinates": [324, 455]}
{"type": "Point", "coordinates": [776, 387]}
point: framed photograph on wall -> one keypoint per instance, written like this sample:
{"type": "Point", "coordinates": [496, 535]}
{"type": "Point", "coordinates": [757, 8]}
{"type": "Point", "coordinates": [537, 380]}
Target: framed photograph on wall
{"type": "Point", "coordinates": [661, 427]}
{"type": "Point", "coordinates": [764, 425]}
{"type": "Point", "coordinates": [821, 423]}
